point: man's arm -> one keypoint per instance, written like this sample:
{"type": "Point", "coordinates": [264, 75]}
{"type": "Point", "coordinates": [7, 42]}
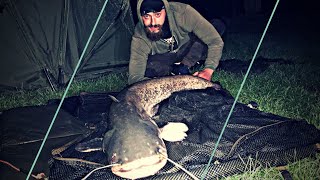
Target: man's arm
{"type": "Point", "coordinates": [205, 31]}
{"type": "Point", "coordinates": [138, 60]}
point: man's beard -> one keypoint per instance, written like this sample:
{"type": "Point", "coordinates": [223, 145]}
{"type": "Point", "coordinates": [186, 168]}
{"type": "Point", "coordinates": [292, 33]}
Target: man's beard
{"type": "Point", "coordinates": [152, 35]}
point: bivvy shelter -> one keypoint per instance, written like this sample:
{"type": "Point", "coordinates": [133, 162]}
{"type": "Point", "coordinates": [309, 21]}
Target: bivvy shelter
{"type": "Point", "coordinates": [42, 41]}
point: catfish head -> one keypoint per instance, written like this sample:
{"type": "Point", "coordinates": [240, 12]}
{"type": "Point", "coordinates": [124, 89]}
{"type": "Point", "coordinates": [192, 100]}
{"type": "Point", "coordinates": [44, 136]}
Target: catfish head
{"type": "Point", "coordinates": [135, 145]}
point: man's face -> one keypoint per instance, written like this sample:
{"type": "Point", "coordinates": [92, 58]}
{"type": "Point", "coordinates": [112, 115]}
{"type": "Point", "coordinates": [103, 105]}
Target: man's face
{"type": "Point", "coordinates": [153, 22]}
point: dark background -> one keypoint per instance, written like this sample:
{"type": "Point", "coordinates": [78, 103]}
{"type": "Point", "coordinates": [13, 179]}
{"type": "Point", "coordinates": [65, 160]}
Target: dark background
{"type": "Point", "coordinates": [295, 12]}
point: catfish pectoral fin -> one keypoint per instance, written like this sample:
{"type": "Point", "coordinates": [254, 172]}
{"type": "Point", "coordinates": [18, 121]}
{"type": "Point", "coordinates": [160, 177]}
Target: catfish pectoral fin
{"type": "Point", "coordinates": [174, 131]}
{"type": "Point", "coordinates": [174, 136]}
{"type": "Point", "coordinates": [113, 98]}
{"type": "Point", "coordinates": [90, 146]}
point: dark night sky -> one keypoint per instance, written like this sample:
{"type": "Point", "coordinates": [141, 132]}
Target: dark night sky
{"type": "Point", "coordinates": [288, 11]}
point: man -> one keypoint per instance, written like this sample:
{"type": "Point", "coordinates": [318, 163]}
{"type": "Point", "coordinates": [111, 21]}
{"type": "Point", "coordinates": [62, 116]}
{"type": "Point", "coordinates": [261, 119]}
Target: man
{"type": "Point", "coordinates": [164, 33]}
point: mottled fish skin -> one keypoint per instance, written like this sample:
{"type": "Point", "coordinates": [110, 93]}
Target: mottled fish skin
{"type": "Point", "coordinates": [145, 95]}
{"type": "Point", "coordinates": [135, 136]}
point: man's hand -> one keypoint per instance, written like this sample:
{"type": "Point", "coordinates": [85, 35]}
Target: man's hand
{"type": "Point", "coordinates": [205, 74]}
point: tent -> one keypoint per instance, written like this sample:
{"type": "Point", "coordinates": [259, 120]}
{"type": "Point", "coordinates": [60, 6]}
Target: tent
{"type": "Point", "coordinates": [42, 41]}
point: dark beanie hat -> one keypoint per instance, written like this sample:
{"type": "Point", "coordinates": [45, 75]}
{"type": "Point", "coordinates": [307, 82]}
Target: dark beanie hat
{"type": "Point", "coordinates": [151, 6]}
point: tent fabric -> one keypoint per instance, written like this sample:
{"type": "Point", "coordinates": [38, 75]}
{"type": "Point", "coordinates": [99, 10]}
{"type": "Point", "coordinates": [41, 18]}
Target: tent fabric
{"type": "Point", "coordinates": [48, 37]}
{"type": "Point", "coordinates": [251, 138]}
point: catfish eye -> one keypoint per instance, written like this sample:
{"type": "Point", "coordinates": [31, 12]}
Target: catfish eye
{"type": "Point", "coordinates": [114, 158]}
{"type": "Point", "coordinates": [160, 150]}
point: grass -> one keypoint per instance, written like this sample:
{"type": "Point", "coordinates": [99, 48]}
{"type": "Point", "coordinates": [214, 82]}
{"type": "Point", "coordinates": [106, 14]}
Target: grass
{"type": "Point", "coordinates": [292, 99]}
{"type": "Point", "coordinates": [111, 82]}
{"type": "Point", "coordinates": [287, 90]}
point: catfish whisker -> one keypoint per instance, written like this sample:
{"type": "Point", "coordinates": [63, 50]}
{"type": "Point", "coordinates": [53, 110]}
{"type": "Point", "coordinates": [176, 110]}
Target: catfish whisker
{"type": "Point", "coordinates": [182, 168]}
{"type": "Point", "coordinates": [102, 167]}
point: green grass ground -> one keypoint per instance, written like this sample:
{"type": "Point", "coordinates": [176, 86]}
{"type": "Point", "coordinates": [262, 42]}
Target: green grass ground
{"type": "Point", "coordinates": [287, 90]}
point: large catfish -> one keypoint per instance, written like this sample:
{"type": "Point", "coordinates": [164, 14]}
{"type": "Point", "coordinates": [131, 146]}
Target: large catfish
{"type": "Point", "coordinates": [135, 143]}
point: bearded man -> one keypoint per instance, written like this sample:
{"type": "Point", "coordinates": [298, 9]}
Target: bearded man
{"type": "Point", "coordinates": [163, 36]}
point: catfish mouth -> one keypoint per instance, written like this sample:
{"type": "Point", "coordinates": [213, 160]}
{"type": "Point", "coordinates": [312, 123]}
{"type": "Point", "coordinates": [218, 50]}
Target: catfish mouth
{"type": "Point", "coordinates": [141, 167]}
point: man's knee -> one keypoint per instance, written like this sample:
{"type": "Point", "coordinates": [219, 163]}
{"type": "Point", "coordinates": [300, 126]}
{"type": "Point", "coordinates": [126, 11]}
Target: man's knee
{"type": "Point", "coordinates": [160, 65]}
{"type": "Point", "coordinates": [219, 25]}
{"type": "Point", "coordinates": [197, 52]}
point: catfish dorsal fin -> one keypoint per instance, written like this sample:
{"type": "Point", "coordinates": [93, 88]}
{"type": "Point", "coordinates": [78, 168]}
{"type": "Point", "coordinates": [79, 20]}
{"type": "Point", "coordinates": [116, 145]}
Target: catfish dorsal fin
{"type": "Point", "coordinates": [113, 98]}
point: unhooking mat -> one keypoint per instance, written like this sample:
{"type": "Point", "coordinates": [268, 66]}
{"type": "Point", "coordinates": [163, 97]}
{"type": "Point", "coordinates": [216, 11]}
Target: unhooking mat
{"type": "Point", "coordinates": [22, 132]}
{"type": "Point", "coordinates": [251, 135]}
